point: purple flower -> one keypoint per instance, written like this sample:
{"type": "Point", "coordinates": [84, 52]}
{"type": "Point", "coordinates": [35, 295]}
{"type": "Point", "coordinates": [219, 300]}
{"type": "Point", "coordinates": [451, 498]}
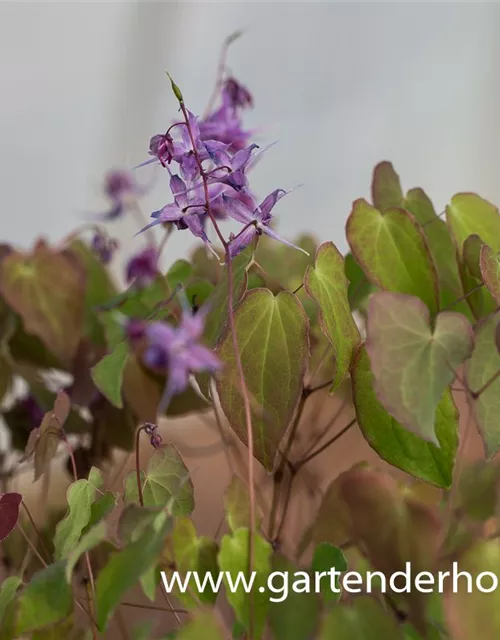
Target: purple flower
{"type": "Point", "coordinates": [121, 188]}
{"type": "Point", "coordinates": [188, 210]}
{"type": "Point", "coordinates": [256, 220]}
{"type": "Point", "coordinates": [161, 146]}
{"type": "Point", "coordinates": [236, 95]}
{"type": "Point", "coordinates": [142, 268]}
{"type": "Point", "coordinates": [104, 247]}
{"type": "Point", "coordinates": [225, 125]}
{"type": "Point", "coordinates": [176, 350]}
{"type": "Point", "coordinates": [183, 150]}
{"type": "Point", "coordinates": [230, 170]}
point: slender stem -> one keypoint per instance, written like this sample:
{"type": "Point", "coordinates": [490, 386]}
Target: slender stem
{"type": "Point", "coordinates": [486, 385]}
{"type": "Point", "coordinates": [278, 474]}
{"type": "Point", "coordinates": [286, 504]}
{"type": "Point", "coordinates": [325, 446]}
{"type": "Point", "coordinates": [154, 608]}
{"type": "Point", "coordinates": [220, 75]}
{"type": "Point", "coordinates": [30, 544]}
{"type": "Point", "coordinates": [325, 429]}
{"type": "Point", "coordinates": [90, 600]}
{"type": "Point", "coordinates": [35, 528]}
{"type": "Point", "coordinates": [239, 365]}
{"type": "Point", "coordinates": [138, 465]}
{"type": "Point", "coordinates": [464, 297]}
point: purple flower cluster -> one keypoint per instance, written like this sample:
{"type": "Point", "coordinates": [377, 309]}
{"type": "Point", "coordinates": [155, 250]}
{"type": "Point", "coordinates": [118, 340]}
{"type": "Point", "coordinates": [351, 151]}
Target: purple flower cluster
{"type": "Point", "coordinates": [208, 160]}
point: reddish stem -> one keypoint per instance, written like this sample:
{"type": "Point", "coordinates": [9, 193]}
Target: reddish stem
{"type": "Point", "coordinates": [239, 365]}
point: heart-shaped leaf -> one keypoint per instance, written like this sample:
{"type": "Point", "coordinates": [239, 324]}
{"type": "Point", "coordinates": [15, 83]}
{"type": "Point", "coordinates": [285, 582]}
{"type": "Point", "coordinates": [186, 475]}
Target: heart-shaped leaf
{"type": "Point", "coordinates": [392, 251]}
{"type": "Point", "coordinates": [9, 513]}
{"type": "Point", "coordinates": [442, 249]}
{"type": "Point", "coordinates": [327, 284]}
{"type": "Point", "coordinates": [489, 263]}
{"type": "Point", "coordinates": [233, 561]}
{"type": "Point", "coordinates": [165, 483]}
{"type": "Point", "coordinates": [397, 445]}
{"type": "Point", "coordinates": [87, 542]}
{"type": "Point", "coordinates": [46, 599]}
{"type": "Point", "coordinates": [412, 363]}
{"type": "Point", "coordinates": [272, 336]}
{"type": "Point", "coordinates": [80, 496]}
{"type": "Point", "coordinates": [126, 567]}
{"type": "Point", "coordinates": [107, 374]}
{"type": "Point", "coordinates": [53, 313]}
{"type": "Point", "coordinates": [483, 365]}
{"type": "Point", "coordinates": [469, 214]}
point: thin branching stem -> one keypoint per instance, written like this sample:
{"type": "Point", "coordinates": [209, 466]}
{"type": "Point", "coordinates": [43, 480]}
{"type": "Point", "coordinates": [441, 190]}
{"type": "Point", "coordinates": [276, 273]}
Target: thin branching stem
{"type": "Point", "coordinates": [239, 364]}
{"type": "Point", "coordinates": [325, 446]}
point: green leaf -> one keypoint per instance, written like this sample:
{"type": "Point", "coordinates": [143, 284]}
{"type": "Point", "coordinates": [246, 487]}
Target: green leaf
{"type": "Point", "coordinates": [45, 600]}
{"type": "Point", "coordinates": [479, 298]}
{"type": "Point", "coordinates": [470, 214]}
{"type": "Point", "coordinates": [99, 288]}
{"type": "Point", "coordinates": [233, 560]}
{"type": "Point", "coordinates": [55, 314]}
{"type": "Point", "coordinates": [203, 625]}
{"type": "Point", "coordinates": [197, 555]}
{"type": "Point", "coordinates": [327, 284]}
{"type": "Point", "coordinates": [359, 287]}
{"type": "Point", "coordinates": [237, 505]}
{"type": "Point", "coordinates": [412, 363]}
{"type": "Point", "coordinates": [179, 273]}
{"type": "Point", "coordinates": [8, 592]}
{"type": "Point", "coordinates": [397, 445]}
{"type": "Point", "coordinates": [474, 614]}
{"type": "Point", "coordinates": [326, 557]}
{"type": "Point", "coordinates": [272, 334]}
{"type": "Point", "coordinates": [363, 619]}
{"type": "Point", "coordinates": [482, 366]}
{"type": "Point", "coordinates": [386, 187]}
{"type": "Point", "coordinates": [101, 508]}
{"type": "Point", "coordinates": [134, 520]}
{"type": "Point", "coordinates": [392, 251]}
{"type": "Point", "coordinates": [80, 495]}
{"type": "Point", "coordinates": [108, 374]}
{"type": "Point", "coordinates": [489, 263]}
{"type": "Point", "coordinates": [166, 483]}
{"type": "Point", "coordinates": [218, 302]}
{"type": "Point", "coordinates": [126, 567]}
{"type": "Point", "coordinates": [442, 249]}
{"type": "Point", "coordinates": [87, 542]}
{"type": "Point", "coordinates": [292, 615]}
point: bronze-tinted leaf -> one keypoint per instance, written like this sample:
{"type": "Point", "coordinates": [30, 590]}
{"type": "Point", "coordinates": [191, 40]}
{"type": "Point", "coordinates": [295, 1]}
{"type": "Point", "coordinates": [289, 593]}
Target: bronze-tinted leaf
{"type": "Point", "coordinates": [47, 289]}
{"type": "Point", "coordinates": [9, 513]}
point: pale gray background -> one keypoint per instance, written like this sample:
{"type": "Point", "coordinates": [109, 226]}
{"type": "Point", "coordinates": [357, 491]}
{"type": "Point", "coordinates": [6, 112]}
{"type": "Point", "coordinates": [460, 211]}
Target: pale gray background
{"type": "Point", "coordinates": [340, 85]}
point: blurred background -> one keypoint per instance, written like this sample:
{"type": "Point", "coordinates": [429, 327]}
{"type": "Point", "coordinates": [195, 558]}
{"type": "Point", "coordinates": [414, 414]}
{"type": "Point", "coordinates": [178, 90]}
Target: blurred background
{"type": "Point", "coordinates": [340, 86]}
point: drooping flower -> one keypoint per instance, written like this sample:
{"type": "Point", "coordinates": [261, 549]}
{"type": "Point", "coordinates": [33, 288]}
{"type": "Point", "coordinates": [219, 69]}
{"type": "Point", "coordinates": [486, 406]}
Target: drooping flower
{"type": "Point", "coordinates": [175, 350]}
{"type": "Point", "coordinates": [256, 220]}
{"type": "Point", "coordinates": [236, 95]}
{"type": "Point", "coordinates": [230, 169]}
{"type": "Point", "coordinates": [161, 146]}
{"type": "Point", "coordinates": [143, 267]}
{"type": "Point", "coordinates": [104, 247]}
{"type": "Point", "coordinates": [183, 150]}
{"type": "Point", "coordinates": [122, 189]}
{"type": "Point", "coordinates": [188, 210]}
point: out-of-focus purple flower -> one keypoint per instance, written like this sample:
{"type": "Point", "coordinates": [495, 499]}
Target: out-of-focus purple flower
{"type": "Point", "coordinates": [188, 211]}
{"type": "Point", "coordinates": [236, 95]}
{"type": "Point", "coordinates": [225, 125]}
{"type": "Point", "coordinates": [256, 220]}
{"type": "Point", "coordinates": [104, 247]}
{"type": "Point", "coordinates": [122, 189]}
{"type": "Point", "coordinates": [176, 350]}
{"type": "Point", "coordinates": [33, 411]}
{"type": "Point", "coordinates": [143, 267]}
{"type": "Point", "coordinates": [161, 146]}
{"type": "Point", "coordinates": [230, 169]}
